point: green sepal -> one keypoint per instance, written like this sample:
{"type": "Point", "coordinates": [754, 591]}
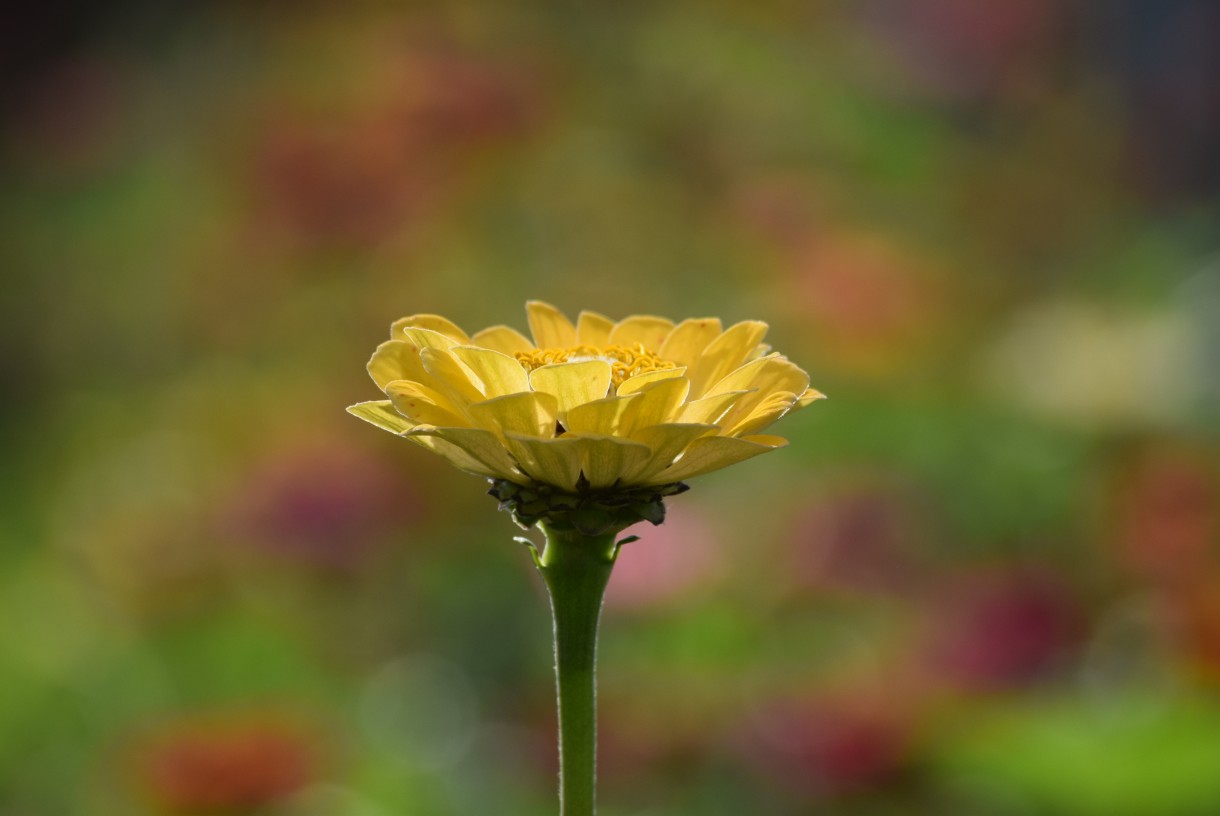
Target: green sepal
{"type": "Point", "coordinates": [589, 512]}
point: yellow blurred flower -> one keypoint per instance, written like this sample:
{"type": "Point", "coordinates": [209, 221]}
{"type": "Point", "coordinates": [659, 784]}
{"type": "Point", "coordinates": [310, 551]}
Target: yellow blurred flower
{"type": "Point", "coordinates": [597, 405]}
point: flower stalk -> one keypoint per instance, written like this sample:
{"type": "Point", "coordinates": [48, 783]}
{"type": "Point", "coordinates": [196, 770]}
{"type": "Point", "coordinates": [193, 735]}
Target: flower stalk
{"type": "Point", "coordinates": [576, 568]}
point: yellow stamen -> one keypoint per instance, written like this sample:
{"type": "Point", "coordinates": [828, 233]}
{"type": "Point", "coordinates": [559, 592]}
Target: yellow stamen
{"type": "Point", "coordinates": [625, 362]}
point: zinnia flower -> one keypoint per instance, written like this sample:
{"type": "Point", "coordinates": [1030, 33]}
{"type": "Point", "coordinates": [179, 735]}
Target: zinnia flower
{"type": "Point", "coordinates": [595, 406]}
{"type": "Point", "coordinates": [584, 431]}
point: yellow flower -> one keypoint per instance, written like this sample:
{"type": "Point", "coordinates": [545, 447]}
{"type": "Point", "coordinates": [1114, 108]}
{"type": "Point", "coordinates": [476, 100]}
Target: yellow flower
{"type": "Point", "coordinates": [595, 405]}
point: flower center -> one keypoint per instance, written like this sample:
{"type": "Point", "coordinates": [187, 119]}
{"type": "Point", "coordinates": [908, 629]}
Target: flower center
{"type": "Point", "coordinates": [625, 361]}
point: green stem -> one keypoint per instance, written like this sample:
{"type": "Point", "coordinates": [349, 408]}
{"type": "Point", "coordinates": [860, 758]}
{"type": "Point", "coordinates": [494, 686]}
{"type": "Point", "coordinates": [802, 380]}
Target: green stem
{"type": "Point", "coordinates": [576, 569]}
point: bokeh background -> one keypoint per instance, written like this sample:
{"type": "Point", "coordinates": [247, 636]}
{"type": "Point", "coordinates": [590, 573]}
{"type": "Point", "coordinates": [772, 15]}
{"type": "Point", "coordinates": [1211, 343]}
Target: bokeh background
{"type": "Point", "coordinates": [983, 579]}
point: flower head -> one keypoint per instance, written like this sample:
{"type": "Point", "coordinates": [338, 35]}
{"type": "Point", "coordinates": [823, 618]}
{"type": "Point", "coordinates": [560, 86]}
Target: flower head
{"type": "Point", "coordinates": [599, 406]}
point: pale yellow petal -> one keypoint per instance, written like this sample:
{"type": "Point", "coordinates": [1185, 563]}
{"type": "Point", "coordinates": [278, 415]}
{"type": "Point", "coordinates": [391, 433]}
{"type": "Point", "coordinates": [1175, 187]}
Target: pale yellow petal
{"type": "Point", "coordinates": [607, 459]}
{"type": "Point", "coordinates": [452, 453]}
{"type": "Point", "coordinates": [426, 338]}
{"type": "Point", "coordinates": [709, 410]}
{"type": "Point", "coordinates": [503, 339]}
{"type": "Point", "coordinates": [599, 417]}
{"type": "Point", "coordinates": [715, 452]}
{"type": "Point", "coordinates": [396, 360]}
{"type": "Point", "coordinates": [811, 395]}
{"type": "Point", "coordinates": [648, 330]}
{"type": "Point", "coordinates": [550, 327]}
{"type": "Point", "coordinates": [724, 354]}
{"type": "Point", "coordinates": [451, 378]}
{"type": "Point", "coordinates": [572, 383]}
{"type": "Point", "coordinates": [498, 373]}
{"type": "Point", "coordinates": [768, 376]}
{"type": "Point", "coordinates": [688, 340]}
{"type": "Point", "coordinates": [593, 329]}
{"type": "Point", "coordinates": [529, 413]}
{"type": "Point", "coordinates": [761, 416]}
{"type": "Point", "coordinates": [654, 404]}
{"type": "Point", "coordinates": [633, 384]}
{"type": "Point", "coordinates": [665, 442]}
{"type": "Point", "coordinates": [483, 447]}
{"type": "Point", "coordinates": [549, 461]}
{"type": "Point", "coordinates": [382, 414]}
{"type": "Point", "coordinates": [432, 322]}
{"type": "Point", "coordinates": [423, 405]}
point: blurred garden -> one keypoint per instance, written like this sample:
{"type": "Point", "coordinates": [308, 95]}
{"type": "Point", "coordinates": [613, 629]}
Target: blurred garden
{"type": "Point", "coordinates": [983, 579]}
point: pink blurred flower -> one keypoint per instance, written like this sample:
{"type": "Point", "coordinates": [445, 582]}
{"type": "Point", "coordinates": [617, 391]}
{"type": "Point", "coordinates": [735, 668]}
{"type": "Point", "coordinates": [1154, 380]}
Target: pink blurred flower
{"type": "Point", "coordinates": [667, 562]}
{"type": "Point", "coordinates": [323, 503]}
{"type": "Point", "coordinates": [857, 539]}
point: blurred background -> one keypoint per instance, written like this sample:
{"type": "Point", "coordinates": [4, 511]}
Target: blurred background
{"type": "Point", "coordinates": [982, 580]}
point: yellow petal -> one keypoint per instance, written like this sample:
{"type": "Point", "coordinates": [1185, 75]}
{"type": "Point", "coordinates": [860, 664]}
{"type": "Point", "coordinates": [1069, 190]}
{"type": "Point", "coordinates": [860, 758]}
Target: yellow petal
{"type": "Point", "coordinates": [688, 340]}
{"type": "Point", "coordinates": [654, 404]}
{"type": "Point", "coordinates": [648, 330]}
{"type": "Point", "coordinates": [593, 329]}
{"type": "Point", "coordinates": [634, 384]}
{"type": "Point", "coordinates": [572, 383]}
{"type": "Point", "coordinates": [709, 410]}
{"type": "Point", "coordinates": [725, 353]}
{"type": "Point", "coordinates": [599, 417]}
{"type": "Point", "coordinates": [486, 451]}
{"type": "Point", "coordinates": [551, 329]}
{"type": "Point", "coordinates": [432, 322]}
{"type": "Point", "coordinates": [768, 375]}
{"type": "Point", "coordinates": [607, 459]}
{"type": "Point", "coordinates": [396, 360]}
{"type": "Point", "coordinates": [762, 415]}
{"type": "Point", "coordinates": [422, 405]}
{"type": "Point", "coordinates": [665, 442]}
{"type": "Point", "coordinates": [530, 413]}
{"type": "Point", "coordinates": [382, 414]}
{"type": "Point", "coordinates": [498, 373]}
{"type": "Point", "coordinates": [426, 338]}
{"type": "Point", "coordinates": [715, 452]}
{"type": "Point", "coordinates": [503, 339]}
{"type": "Point", "coordinates": [810, 395]}
{"type": "Point", "coordinates": [452, 453]}
{"type": "Point", "coordinates": [450, 377]}
{"type": "Point", "coordinates": [550, 461]}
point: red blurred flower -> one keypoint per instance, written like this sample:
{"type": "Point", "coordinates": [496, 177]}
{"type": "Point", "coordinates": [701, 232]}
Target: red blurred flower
{"type": "Point", "coordinates": [363, 175]}
{"type": "Point", "coordinates": [1195, 613]}
{"type": "Point", "coordinates": [868, 303]}
{"type": "Point", "coordinates": [229, 765]}
{"type": "Point", "coordinates": [834, 744]}
{"type": "Point", "coordinates": [997, 629]}
{"type": "Point", "coordinates": [1166, 514]}
{"type": "Point", "coordinates": [964, 49]}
